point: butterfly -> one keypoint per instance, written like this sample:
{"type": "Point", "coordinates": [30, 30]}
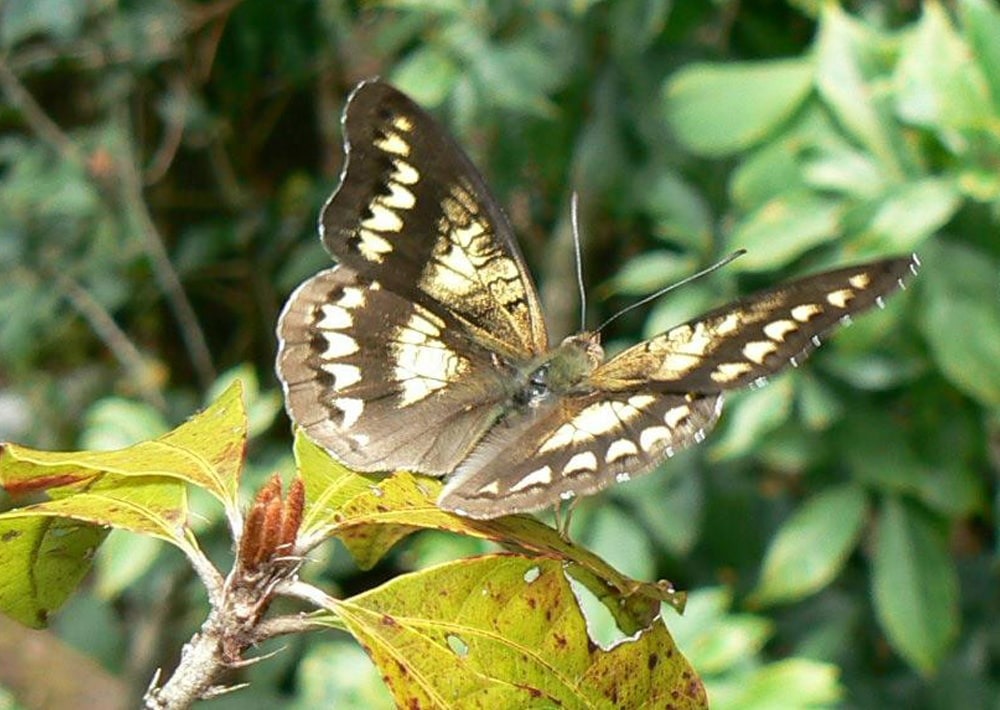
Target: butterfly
{"type": "Point", "coordinates": [425, 348]}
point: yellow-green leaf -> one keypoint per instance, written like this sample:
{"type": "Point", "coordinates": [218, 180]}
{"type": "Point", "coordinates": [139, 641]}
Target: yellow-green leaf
{"type": "Point", "coordinates": [506, 631]}
{"type": "Point", "coordinates": [42, 560]}
{"type": "Point", "coordinates": [207, 450]}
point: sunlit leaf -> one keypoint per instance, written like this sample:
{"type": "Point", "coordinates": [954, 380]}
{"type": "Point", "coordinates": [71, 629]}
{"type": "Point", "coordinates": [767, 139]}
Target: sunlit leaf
{"type": "Point", "coordinates": [505, 631]}
{"type": "Point", "coordinates": [207, 451]}
{"type": "Point", "coordinates": [717, 109]}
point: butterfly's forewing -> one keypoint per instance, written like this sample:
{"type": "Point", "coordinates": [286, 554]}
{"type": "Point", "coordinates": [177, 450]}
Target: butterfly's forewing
{"type": "Point", "coordinates": [574, 446]}
{"type": "Point", "coordinates": [413, 213]}
{"type": "Point", "coordinates": [752, 338]}
{"type": "Point", "coordinates": [659, 396]}
{"type": "Point", "coordinates": [380, 381]}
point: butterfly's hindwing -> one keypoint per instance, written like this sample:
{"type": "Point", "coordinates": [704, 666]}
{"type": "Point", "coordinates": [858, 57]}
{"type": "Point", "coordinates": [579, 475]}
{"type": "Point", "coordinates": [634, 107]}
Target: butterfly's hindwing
{"type": "Point", "coordinates": [380, 381]}
{"type": "Point", "coordinates": [575, 446]}
{"type": "Point", "coordinates": [753, 338]}
{"type": "Point", "coordinates": [413, 213]}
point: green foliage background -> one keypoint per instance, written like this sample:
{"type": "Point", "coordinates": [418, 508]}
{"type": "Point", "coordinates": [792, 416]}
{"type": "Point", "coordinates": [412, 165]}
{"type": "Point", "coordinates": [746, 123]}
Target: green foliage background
{"type": "Point", "coordinates": [162, 165]}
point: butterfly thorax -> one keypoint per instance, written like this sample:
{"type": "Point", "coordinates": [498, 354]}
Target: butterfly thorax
{"type": "Point", "coordinates": [562, 370]}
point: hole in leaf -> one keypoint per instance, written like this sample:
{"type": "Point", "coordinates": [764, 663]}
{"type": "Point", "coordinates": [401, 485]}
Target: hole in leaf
{"type": "Point", "coordinates": [532, 574]}
{"type": "Point", "coordinates": [601, 625]}
{"type": "Point", "coordinates": [457, 645]}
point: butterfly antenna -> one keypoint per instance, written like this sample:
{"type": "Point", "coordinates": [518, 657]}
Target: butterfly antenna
{"type": "Point", "coordinates": [666, 289]}
{"type": "Point", "coordinates": [574, 216]}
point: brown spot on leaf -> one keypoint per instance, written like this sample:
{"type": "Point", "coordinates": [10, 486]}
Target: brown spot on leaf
{"type": "Point", "coordinates": [652, 661]}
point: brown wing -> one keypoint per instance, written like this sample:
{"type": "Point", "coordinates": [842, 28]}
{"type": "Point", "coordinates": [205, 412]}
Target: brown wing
{"type": "Point", "coordinates": [748, 340]}
{"type": "Point", "coordinates": [413, 213]}
{"type": "Point", "coordinates": [574, 447]}
{"type": "Point", "coordinates": [381, 382]}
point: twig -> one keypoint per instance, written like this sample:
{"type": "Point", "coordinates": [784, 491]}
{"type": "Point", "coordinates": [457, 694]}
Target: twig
{"type": "Point", "coordinates": [116, 340]}
{"type": "Point", "coordinates": [163, 269]}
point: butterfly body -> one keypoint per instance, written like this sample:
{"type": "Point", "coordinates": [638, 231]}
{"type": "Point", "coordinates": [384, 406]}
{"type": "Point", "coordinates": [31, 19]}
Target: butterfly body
{"type": "Point", "coordinates": [425, 349]}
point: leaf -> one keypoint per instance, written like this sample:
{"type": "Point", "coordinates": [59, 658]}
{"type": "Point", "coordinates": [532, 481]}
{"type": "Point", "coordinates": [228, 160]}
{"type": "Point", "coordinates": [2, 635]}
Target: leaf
{"type": "Point", "coordinates": [42, 560]}
{"type": "Point", "coordinates": [785, 228]}
{"type": "Point", "coordinates": [938, 85]}
{"type": "Point", "coordinates": [812, 546]}
{"type": "Point", "coordinates": [751, 416]}
{"type": "Point", "coordinates": [207, 450]}
{"type": "Point", "coordinates": [371, 518]}
{"type": "Point", "coordinates": [841, 68]}
{"type": "Point", "coordinates": [720, 109]}
{"type": "Point", "coordinates": [960, 318]}
{"type": "Point", "coordinates": [981, 23]}
{"type": "Point", "coordinates": [650, 271]}
{"type": "Point", "coordinates": [791, 683]}
{"type": "Point", "coordinates": [915, 586]}
{"type": "Point", "coordinates": [715, 640]}
{"type": "Point", "coordinates": [506, 631]}
{"type": "Point", "coordinates": [914, 211]}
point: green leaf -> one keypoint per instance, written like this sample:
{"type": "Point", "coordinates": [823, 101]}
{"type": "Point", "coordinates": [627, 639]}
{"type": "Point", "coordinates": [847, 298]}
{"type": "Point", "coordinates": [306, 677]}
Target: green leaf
{"type": "Point", "coordinates": [206, 451]}
{"type": "Point", "coordinates": [915, 585]}
{"type": "Point", "coordinates": [115, 423]}
{"type": "Point", "coordinates": [715, 640]}
{"type": "Point", "coordinates": [785, 228]}
{"type": "Point", "coordinates": [681, 214]}
{"type": "Point", "coordinates": [912, 212]}
{"type": "Point", "coordinates": [338, 674]}
{"type": "Point", "coordinates": [427, 75]}
{"type": "Point", "coordinates": [20, 19]}
{"type": "Point", "coordinates": [651, 271]}
{"type": "Point", "coordinates": [42, 560]}
{"type": "Point", "coordinates": [506, 631]}
{"type": "Point", "coordinates": [750, 416]}
{"type": "Point", "coordinates": [841, 67]}
{"type": "Point", "coordinates": [789, 684]}
{"type": "Point", "coordinates": [981, 23]}
{"type": "Point", "coordinates": [812, 546]}
{"type": "Point", "coordinates": [938, 85]}
{"type": "Point", "coordinates": [720, 109]}
{"type": "Point", "coordinates": [960, 318]}
{"type": "Point", "coordinates": [371, 516]}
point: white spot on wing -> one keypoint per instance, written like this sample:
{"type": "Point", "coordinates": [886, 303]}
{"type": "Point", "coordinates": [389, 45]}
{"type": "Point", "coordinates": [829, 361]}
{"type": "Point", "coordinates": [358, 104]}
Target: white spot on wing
{"type": "Point", "coordinates": [777, 330]}
{"type": "Point", "coordinates": [756, 351]}
{"type": "Point", "coordinates": [344, 375]}
{"type": "Point", "coordinates": [338, 345]}
{"type": "Point", "coordinates": [619, 449]}
{"type": "Point", "coordinates": [651, 436]}
{"type": "Point", "coordinates": [840, 298]}
{"type": "Point", "coordinates": [805, 312]}
{"type": "Point", "coordinates": [352, 409]}
{"type": "Point", "coordinates": [585, 461]}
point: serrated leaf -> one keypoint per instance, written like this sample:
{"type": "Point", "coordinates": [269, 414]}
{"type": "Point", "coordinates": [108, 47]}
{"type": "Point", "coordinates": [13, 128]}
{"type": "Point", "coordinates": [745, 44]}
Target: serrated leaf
{"type": "Point", "coordinates": [811, 547]}
{"type": "Point", "coordinates": [719, 109]}
{"type": "Point", "coordinates": [505, 631]}
{"type": "Point", "coordinates": [207, 450]}
{"type": "Point", "coordinates": [915, 586]}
